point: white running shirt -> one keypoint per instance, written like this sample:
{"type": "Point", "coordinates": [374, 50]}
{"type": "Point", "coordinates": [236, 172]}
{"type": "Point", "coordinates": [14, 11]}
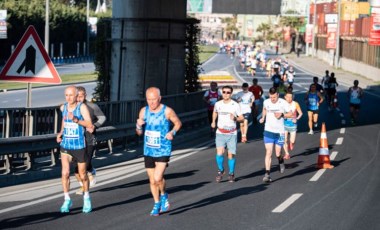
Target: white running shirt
{"type": "Point", "coordinates": [224, 119]}
{"type": "Point", "coordinates": [272, 124]}
{"type": "Point", "coordinates": [245, 100]}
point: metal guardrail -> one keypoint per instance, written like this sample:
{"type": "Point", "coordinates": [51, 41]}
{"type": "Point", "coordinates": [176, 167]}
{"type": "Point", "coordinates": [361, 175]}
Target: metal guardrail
{"type": "Point", "coordinates": [121, 118]}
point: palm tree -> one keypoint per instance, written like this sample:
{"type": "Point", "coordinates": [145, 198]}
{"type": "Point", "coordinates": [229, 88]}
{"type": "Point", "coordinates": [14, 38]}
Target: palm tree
{"type": "Point", "coordinates": [266, 30]}
{"type": "Point", "coordinates": [231, 30]}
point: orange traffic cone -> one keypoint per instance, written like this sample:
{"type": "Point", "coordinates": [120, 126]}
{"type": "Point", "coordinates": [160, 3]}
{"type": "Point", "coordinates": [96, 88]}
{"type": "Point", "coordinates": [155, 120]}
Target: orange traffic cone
{"type": "Point", "coordinates": [324, 156]}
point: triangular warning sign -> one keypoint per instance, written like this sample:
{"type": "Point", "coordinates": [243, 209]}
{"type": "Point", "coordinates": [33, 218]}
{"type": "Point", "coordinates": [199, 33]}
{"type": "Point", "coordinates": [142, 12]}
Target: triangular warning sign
{"type": "Point", "coordinates": [30, 62]}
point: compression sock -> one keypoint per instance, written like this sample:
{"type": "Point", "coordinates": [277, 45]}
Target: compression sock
{"type": "Point", "coordinates": [219, 162]}
{"type": "Point", "coordinates": [280, 160]}
{"type": "Point", "coordinates": [231, 165]}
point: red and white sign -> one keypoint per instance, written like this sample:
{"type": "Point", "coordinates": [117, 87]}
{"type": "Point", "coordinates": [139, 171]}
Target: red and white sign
{"type": "Point", "coordinates": [374, 34]}
{"type": "Point", "coordinates": [30, 62]}
{"type": "Point", "coordinates": [331, 36]}
{"type": "Point", "coordinates": [309, 33]}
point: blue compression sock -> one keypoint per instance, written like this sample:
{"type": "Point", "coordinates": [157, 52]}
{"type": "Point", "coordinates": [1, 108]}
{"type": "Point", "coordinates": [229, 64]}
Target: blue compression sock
{"type": "Point", "coordinates": [219, 162]}
{"type": "Point", "coordinates": [231, 165]}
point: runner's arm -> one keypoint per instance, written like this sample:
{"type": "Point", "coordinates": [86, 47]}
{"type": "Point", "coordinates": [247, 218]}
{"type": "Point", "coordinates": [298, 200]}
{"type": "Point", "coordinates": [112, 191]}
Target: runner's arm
{"type": "Point", "coordinates": [140, 122]}
{"type": "Point", "coordinates": [86, 122]}
{"type": "Point", "coordinates": [100, 116]}
{"type": "Point", "coordinates": [172, 116]}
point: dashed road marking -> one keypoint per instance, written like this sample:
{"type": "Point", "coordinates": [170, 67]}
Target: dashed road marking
{"type": "Point", "coordinates": [339, 141]}
{"type": "Point", "coordinates": [317, 175]}
{"type": "Point", "coordinates": [333, 155]}
{"type": "Point", "coordinates": [343, 122]}
{"type": "Point", "coordinates": [287, 203]}
{"type": "Point", "coordinates": [341, 115]}
{"type": "Point", "coordinates": [342, 130]}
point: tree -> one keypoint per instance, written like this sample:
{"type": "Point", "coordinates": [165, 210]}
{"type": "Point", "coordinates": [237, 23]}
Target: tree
{"type": "Point", "coordinates": [265, 29]}
{"type": "Point", "coordinates": [231, 30]}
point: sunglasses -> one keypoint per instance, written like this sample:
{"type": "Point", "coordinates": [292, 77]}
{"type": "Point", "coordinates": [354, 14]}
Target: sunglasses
{"type": "Point", "coordinates": [226, 92]}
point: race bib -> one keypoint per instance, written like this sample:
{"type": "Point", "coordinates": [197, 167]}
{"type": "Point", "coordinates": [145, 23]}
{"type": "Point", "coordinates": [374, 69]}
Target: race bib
{"type": "Point", "coordinates": [71, 130]}
{"type": "Point", "coordinates": [153, 139]}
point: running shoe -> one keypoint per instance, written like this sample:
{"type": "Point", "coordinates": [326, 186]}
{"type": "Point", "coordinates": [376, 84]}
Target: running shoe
{"type": "Point", "coordinates": [87, 205]}
{"type": "Point", "coordinates": [79, 191]}
{"type": "Point", "coordinates": [66, 206]}
{"type": "Point", "coordinates": [219, 177]}
{"type": "Point", "coordinates": [165, 205]}
{"type": "Point", "coordinates": [156, 209]}
{"type": "Point", "coordinates": [311, 132]}
{"type": "Point", "coordinates": [231, 178]}
{"type": "Point", "coordinates": [267, 178]}
{"type": "Point", "coordinates": [282, 168]}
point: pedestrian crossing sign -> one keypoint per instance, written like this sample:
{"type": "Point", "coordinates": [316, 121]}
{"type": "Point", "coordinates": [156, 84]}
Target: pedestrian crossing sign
{"type": "Point", "coordinates": [30, 62]}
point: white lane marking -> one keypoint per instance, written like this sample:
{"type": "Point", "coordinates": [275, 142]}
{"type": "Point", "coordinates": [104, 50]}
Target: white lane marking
{"type": "Point", "coordinates": [343, 122]}
{"type": "Point", "coordinates": [317, 175]}
{"type": "Point", "coordinates": [4, 101]}
{"type": "Point", "coordinates": [342, 130]}
{"type": "Point", "coordinates": [337, 109]}
{"type": "Point", "coordinates": [339, 141]}
{"type": "Point", "coordinates": [341, 115]}
{"type": "Point", "coordinates": [287, 203]}
{"type": "Point", "coordinates": [333, 155]}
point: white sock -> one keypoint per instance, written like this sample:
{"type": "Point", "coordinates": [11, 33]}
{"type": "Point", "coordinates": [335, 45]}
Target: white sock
{"type": "Point", "coordinates": [86, 195]}
{"type": "Point", "coordinates": [67, 196]}
{"type": "Point", "coordinates": [80, 183]}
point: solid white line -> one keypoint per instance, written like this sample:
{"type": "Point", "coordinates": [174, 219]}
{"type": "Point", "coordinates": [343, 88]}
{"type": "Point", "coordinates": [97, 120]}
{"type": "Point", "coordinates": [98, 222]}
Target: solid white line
{"type": "Point", "coordinates": [317, 175]}
{"type": "Point", "coordinates": [333, 155]}
{"type": "Point", "coordinates": [287, 202]}
{"type": "Point", "coordinates": [343, 122]}
{"type": "Point", "coordinates": [339, 141]}
{"type": "Point", "coordinates": [342, 130]}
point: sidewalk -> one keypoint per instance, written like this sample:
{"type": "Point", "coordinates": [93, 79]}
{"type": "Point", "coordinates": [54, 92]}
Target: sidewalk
{"type": "Point", "coordinates": [318, 67]}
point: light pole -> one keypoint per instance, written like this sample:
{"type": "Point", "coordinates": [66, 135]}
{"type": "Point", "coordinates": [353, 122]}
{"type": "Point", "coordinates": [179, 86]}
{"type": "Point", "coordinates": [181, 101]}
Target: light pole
{"type": "Point", "coordinates": [47, 27]}
{"type": "Point", "coordinates": [337, 51]}
{"type": "Point", "coordinates": [88, 29]}
{"type": "Point", "coordinates": [313, 33]}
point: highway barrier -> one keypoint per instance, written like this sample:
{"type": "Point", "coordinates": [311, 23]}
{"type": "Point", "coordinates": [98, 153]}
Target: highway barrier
{"type": "Point", "coordinates": [18, 150]}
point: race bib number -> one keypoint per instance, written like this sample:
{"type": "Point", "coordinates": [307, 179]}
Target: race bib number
{"type": "Point", "coordinates": [153, 139]}
{"type": "Point", "coordinates": [71, 130]}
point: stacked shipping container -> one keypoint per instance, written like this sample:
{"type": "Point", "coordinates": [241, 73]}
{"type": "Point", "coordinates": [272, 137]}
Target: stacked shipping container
{"type": "Point", "coordinates": [354, 20]}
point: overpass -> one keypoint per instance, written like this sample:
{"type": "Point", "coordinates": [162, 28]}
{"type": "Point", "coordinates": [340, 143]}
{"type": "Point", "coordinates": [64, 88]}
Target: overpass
{"type": "Point", "coordinates": [148, 42]}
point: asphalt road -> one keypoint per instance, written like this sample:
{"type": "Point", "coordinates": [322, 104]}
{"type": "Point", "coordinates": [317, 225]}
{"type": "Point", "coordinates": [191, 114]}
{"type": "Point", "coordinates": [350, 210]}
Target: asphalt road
{"type": "Point", "coordinates": [345, 197]}
{"type": "Point", "coordinates": [17, 98]}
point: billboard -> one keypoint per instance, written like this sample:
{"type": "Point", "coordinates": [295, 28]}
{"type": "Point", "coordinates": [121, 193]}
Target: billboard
{"type": "Point", "coordinates": [199, 6]}
{"type": "Point", "coordinates": [3, 24]}
{"type": "Point", "coordinates": [331, 36]}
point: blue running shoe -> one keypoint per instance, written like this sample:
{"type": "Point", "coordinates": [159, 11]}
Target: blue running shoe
{"type": "Point", "coordinates": [87, 205]}
{"type": "Point", "coordinates": [66, 206]}
{"type": "Point", "coordinates": [156, 209]}
{"type": "Point", "coordinates": [165, 205]}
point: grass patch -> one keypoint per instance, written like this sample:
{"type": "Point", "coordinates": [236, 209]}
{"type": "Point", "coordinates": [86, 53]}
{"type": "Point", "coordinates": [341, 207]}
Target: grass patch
{"type": "Point", "coordinates": [205, 52]}
{"type": "Point", "coordinates": [69, 78]}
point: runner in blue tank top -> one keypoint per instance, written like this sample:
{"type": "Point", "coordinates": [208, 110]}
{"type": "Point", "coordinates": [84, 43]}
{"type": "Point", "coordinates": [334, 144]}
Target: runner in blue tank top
{"type": "Point", "coordinates": [313, 99]}
{"type": "Point", "coordinates": [75, 118]}
{"type": "Point", "coordinates": [155, 119]}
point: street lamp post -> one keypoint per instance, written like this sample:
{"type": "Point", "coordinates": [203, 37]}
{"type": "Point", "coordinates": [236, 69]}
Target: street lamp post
{"type": "Point", "coordinates": [337, 51]}
{"type": "Point", "coordinates": [313, 33]}
{"type": "Point", "coordinates": [88, 29]}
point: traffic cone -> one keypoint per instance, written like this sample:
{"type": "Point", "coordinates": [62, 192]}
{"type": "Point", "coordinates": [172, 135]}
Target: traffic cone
{"type": "Point", "coordinates": [324, 156]}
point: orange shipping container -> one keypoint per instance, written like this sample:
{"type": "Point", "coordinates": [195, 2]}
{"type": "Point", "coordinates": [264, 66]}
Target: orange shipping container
{"type": "Point", "coordinates": [319, 8]}
{"type": "Point", "coordinates": [344, 27]}
{"type": "Point", "coordinates": [366, 26]}
{"type": "Point", "coordinates": [358, 27]}
{"type": "Point", "coordinates": [321, 18]}
{"type": "Point", "coordinates": [364, 7]}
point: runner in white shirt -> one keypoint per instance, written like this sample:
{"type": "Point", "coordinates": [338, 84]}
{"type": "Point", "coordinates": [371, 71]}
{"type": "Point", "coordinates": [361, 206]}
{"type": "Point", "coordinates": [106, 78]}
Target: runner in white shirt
{"type": "Point", "coordinates": [274, 111]}
{"type": "Point", "coordinates": [245, 99]}
{"type": "Point", "coordinates": [228, 112]}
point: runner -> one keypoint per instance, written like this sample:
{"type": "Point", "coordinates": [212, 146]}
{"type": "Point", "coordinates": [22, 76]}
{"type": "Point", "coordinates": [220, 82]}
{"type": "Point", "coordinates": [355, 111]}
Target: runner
{"type": "Point", "coordinates": [98, 118]}
{"type": "Point", "coordinates": [273, 114]}
{"type": "Point", "coordinates": [313, 99]}
{"type": "Point", "coordinates": [276, 78]}
{"type": "Point", "coordinates": [245, 99]}
{"type": "Point", "coordinates": [257, 91]}
{"type": "Point", "coordinates": [332, 91]}
{"type": "Point", "coordinates": [211, 96]}
{"type": "Point", "coordinates": [318, 86]}
{"type": "Point", "coordinates": [156, 118]}
{"type": "Point", "coordinates": [325, 83]}
{"type": "Point", "coordinates": [228, 112]}
{"type": "Point", "coordinates": [291, 123]}
{"type": "Point", "coordinates": [355, 94]}
{"type": "Point", "coordinates": [290, 74]}
{"type": "Point", "coordinates": [75, 118]}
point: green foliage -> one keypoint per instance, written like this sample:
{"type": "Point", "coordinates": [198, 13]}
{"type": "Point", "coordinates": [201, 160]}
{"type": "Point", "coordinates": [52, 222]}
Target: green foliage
{"type": "Point", "coordinates": [232, 32]}
{"type": "Point", "coordinates": [192, 55]}
{"type": "Point", "coordinates": [103, 60]}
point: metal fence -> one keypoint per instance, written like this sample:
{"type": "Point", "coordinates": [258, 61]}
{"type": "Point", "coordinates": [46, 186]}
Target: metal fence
{"type": "Point", "coordinates": [47, 120]}
{"type": "Point", "coordinates": [354, 48]}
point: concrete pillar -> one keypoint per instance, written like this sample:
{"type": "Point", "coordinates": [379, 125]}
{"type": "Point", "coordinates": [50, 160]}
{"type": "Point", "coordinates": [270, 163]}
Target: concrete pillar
{"type": "Point", "coordinates": [148, 47]}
